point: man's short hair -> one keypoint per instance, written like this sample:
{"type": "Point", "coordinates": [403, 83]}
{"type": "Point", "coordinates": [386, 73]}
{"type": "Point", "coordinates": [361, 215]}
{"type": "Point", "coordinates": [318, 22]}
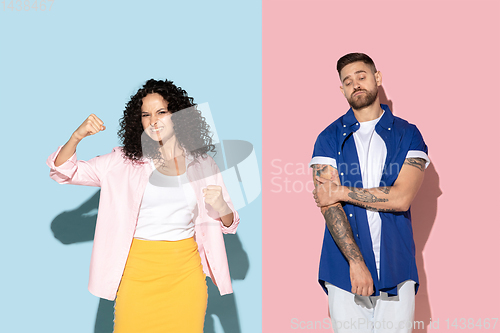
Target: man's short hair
{"type": "Point", "coordinates": [353, 57]}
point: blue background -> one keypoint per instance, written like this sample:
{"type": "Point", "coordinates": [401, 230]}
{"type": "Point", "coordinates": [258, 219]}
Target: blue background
{"type": "Point", "coordinates": [84, 57]}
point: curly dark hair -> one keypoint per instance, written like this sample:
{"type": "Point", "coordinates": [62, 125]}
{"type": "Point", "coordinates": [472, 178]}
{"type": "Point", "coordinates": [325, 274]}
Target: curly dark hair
{"type": "Point", "coordinates": [190, 127]}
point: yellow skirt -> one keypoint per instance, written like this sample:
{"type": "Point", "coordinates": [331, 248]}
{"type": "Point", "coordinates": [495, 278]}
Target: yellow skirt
{"type": "Point", "coordinates": [163, 289]}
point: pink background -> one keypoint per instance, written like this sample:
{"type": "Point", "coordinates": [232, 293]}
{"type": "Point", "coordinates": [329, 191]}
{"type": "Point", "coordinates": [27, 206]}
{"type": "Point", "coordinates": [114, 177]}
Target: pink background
{"type": "Point", "coordinates": [440, 67]}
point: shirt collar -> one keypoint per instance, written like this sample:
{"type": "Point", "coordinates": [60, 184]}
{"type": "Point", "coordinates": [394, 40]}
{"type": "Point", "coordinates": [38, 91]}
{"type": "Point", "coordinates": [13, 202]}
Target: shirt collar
{"type": "Point", "coordinates": [349, 119]}
{"type": "Point", "coordinates": [388, 118]}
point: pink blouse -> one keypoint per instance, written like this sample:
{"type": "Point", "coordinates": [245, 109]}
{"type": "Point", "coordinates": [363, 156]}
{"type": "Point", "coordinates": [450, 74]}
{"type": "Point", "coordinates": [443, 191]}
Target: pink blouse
{"type": "Point", "coordinates": [122, 187]}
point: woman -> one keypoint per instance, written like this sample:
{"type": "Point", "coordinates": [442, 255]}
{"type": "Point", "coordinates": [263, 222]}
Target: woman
{"type": "Point", "coordinates": [162, 211]}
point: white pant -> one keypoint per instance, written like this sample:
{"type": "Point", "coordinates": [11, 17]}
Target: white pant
{"type": "Point", "coordinates": [352, 313]}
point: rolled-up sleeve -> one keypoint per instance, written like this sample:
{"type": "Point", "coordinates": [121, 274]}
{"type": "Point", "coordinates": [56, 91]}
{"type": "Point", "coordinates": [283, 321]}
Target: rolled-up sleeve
{"type": "Point", "coordinates": [76, 172]}
{"type": "Point", "coordinates": [418, 148]}
{"type": "Point", "coordinates": [324, 150]}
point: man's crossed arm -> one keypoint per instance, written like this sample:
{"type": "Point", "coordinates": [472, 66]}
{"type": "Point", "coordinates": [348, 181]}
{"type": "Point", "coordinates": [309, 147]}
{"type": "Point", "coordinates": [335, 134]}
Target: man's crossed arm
{"type": "Point", "coordinates": [340, 229]}
{"type": "Point", "coordinates": [396, 198]}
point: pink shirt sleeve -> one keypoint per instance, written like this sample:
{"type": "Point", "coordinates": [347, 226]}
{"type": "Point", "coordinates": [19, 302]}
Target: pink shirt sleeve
{"type": "Point", "coordinates": [236, 218]}
{"type": "Point", "coordinates": [77, 172]}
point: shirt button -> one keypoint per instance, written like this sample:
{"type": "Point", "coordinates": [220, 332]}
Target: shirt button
{"type": "Point", "coordinates": [350, 215]}
{"type": "Point", "coordinates": [357, 123]}
{"type": "Point", "coordinates": [341, 173]}
{"type": "Point", "coordinates": [357, 235]}
{"type": "Point", "coordinates": [344, 134]}
{"type": "Point", "coordinates": [344, 125]}
{"type": "Point", "coordinates": [389, 128]}
{"type": "Point", "coordinates": [339, 153]}
{"type": "Point", "coordinates": [203, 234]}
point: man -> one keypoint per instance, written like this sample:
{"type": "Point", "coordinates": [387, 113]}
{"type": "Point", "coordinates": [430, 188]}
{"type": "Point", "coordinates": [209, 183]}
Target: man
{"type": "Point", "coordinates": [368, 166]}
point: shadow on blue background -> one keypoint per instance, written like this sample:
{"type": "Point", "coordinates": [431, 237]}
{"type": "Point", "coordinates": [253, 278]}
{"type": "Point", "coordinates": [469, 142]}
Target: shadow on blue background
{"type": "Point", "coordinates": [79, 225]}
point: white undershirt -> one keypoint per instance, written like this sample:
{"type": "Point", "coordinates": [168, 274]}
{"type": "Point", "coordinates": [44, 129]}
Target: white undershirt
{"type": "Point", "coordinates": [371, 154]}
{"type": "Point", "coordinates": [167, 208]}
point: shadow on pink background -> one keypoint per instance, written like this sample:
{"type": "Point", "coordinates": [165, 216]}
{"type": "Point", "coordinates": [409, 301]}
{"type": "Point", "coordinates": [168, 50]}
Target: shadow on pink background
{"type": "Point", "coordinates": [440, 67]}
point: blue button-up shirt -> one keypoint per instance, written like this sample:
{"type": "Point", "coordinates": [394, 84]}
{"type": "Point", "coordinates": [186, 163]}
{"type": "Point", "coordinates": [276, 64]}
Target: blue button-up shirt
{"type": "Point", "coordinates": [397, 248]}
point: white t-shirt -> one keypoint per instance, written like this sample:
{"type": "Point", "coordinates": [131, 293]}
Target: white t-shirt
{"type": "Point", "coordinates": [371, 155]}
{"type": "Point", "coordinates": [167, 208]}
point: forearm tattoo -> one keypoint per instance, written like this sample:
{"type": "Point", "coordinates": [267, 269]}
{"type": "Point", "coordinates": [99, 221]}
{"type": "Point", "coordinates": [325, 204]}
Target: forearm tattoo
{"type": "Point", "coordinates": [368, 207]}
{"type": "Point", "coordinates": [322, 170]}
{"type": "Point", "coordinates": [418, 163]}
{"type": "Point", "coordinates": [341, 231]}
{"type": "Point", "coordinates": [336, 220]}
{"type": "Point", "coordinates": [363, 195]}
{"type": "Point", "coordinates": [385, 189]}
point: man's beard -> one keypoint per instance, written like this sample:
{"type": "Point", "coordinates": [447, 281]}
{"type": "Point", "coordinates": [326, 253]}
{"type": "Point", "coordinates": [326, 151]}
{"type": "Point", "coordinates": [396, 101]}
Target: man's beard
{"type": "Point", "coordinates": [363, 100]}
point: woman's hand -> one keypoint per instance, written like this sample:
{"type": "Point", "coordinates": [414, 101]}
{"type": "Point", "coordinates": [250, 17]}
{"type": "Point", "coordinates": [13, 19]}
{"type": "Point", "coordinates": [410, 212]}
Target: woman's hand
{"type": "Point", "coordinates": [213, 197]}
{"type": "Point", "coordinates": [90, 126]}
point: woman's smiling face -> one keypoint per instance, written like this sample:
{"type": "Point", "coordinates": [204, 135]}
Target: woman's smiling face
{"type": "Point", "coordinates": [156, 119]}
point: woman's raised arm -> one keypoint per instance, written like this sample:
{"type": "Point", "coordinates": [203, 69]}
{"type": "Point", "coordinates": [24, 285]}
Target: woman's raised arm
{"type": "Point", "coordinates": [90, 126]}
{"type": "Point", "coordinates": [64, 166]}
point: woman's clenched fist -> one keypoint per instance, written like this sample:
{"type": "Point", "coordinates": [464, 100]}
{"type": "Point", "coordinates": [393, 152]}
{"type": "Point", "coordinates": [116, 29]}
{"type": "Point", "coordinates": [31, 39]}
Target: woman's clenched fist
{"type": "Point", "coordinates": [213, 197]}
{"type": "Point", "coordinates": [90, 126]}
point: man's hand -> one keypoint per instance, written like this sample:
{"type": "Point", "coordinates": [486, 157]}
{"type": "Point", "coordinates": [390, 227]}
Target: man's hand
{"type": "Point", "coordinates": [361, 279]}
{"type": "Point", "coordinates": [395, 198]}
{"type": "Point", "coordinates": [326, 193]}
